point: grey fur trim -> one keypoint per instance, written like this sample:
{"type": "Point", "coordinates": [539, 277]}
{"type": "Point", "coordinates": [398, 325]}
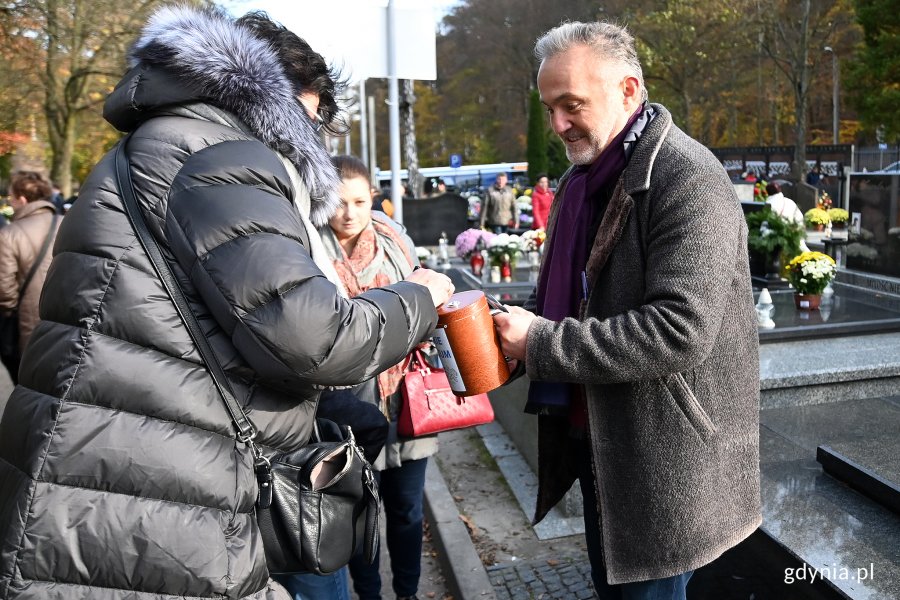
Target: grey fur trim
{"type": "Point", "coordinates": [241, 73]}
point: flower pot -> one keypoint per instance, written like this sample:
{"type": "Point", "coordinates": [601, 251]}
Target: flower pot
{"type": "Point", "coordinates": [835, 226]}
{"type": "Point", "coordinates": [819, 227]}
{"type": "Point", "coordinates": [807, 301]}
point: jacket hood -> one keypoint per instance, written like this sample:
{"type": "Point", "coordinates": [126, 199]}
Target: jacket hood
{"type": "Point", "coordinates": [186, 55]}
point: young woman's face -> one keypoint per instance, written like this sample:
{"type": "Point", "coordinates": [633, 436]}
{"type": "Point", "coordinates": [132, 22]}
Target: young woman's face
{"type": "Point", "coordinates": [355, 210]}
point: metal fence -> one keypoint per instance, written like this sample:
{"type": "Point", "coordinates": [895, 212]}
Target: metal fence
{"type": "Point", "coordinates": [875, 158]}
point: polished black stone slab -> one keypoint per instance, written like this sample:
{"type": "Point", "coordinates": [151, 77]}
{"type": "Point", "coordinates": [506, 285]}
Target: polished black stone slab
{"type": "Point", "coordinates": [872, 484]}
{"type": "Point", "coordinates": [514, 293]}
{"type": "Point", "coordinates": [819, 518]}
{"type": "Point", "coordinates": [849, 311]}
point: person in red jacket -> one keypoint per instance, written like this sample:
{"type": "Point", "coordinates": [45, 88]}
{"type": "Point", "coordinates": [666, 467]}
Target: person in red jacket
{"type": "Point", "coordinates": [541, 198]}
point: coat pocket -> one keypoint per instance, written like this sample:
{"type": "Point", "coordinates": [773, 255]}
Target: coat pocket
{"type": "Point", "coordinates": [689, 406]}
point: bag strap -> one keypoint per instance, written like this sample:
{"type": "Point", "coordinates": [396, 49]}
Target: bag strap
{"type": "Point", "coordinates": [419, 363]}
{"type": "Point", "coordinates": [245, 428]}
{"type": "Point", "coordinates": [40, 257]}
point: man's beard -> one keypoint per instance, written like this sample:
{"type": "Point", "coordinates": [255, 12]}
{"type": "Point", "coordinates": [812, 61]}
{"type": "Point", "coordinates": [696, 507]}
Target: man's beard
{"type": "Point", "coordinates": [586, 151]}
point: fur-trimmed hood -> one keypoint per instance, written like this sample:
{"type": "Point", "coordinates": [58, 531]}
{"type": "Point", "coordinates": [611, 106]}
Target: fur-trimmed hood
{"type": "Point", "coordinates": [210, 58]}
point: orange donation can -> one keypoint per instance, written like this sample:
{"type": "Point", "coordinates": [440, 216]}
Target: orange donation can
{"type": "Point", "coordinates": [468, 345]}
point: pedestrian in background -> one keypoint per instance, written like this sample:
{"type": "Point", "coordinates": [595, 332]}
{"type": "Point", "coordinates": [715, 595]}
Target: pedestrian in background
{"type": "Point", "coordinates": [783, 206]}
{"type": "Point", "coordinates": [435, 187]}
{"type": "Point", "coordinates": [541, 199]}
{"type": "Point", "coordinates": [814, 176]}
{"type": "Point", "coordinates": [33, 225]}
{"type": "Point", "coordinates": [368, 251]}
{"type": "Point", "coordinates": [498, 209]}
{"type": "Point", "coordinates": [58, 199]}
{"type": "Point", "coordinates": [121, 473]}
{"type": "Point", "coordinates": [643, 351]}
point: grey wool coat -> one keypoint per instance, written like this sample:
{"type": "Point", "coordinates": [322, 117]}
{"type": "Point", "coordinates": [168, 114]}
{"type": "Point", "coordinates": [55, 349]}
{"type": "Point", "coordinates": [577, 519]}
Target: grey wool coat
{"type": "Point", "coordinates": [120, 473]}
{"type": "Point", "coordinates": [667, 350]}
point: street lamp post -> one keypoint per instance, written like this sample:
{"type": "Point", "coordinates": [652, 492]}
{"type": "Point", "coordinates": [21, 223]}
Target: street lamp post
{"type": "Point", "coordinates": [836, 94]}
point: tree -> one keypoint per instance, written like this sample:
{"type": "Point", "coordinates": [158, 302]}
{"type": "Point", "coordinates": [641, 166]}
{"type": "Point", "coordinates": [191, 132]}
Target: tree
{"type": "Point", "coordinates": [873, 79]}
{"type": "Point", "coordinates": [537, 137]}
{"type": "Point", "coordinates": [487, 69]}
{"type": "Point", "coordinates": [558, 162]}
{"type": "Point", "coordinates": [81, 56]}
{"type": "Point", "coordinates": [414, 180]}
{"type": "Point", "coordinates": [693, 53]}
{"type": "Point", "coordinates": [794, 39]}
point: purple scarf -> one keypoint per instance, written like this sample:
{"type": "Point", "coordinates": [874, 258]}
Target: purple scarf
{"type": "Point", "coordinates": [563, 283]}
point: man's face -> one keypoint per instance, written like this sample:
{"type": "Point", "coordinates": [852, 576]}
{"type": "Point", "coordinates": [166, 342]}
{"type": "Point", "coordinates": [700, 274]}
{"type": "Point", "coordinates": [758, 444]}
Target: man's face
{"type": "Point", "coordinates": [501, 180]}
{"type": "Point", "coordinates": [589, 100]}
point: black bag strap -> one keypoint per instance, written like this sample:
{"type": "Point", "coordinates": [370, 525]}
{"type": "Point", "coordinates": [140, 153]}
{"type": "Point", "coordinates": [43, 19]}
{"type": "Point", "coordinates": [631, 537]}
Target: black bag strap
{"type": "Point", "coordinates": [40, 257]}
{"type": "Point", "coordinates": [245, 428]}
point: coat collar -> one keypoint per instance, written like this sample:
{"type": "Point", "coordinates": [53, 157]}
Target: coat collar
{"type": "Point", "coordinates": [640, 166]}
{"type": "Point", "coordinates": [186, 55]}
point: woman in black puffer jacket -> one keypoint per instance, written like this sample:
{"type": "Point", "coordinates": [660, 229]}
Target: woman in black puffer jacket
{"type": "Point", "coordinates": [120, 472]}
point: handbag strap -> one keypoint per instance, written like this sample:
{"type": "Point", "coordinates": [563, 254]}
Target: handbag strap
{"type": "Point", "coordinates": [245, 428]}
{"type": "Point", "coordinates": [419, 362]}
{"type": "Point", "coordinates": [40, 257]}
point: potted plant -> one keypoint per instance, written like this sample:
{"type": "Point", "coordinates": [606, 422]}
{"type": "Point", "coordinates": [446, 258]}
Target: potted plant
{"type": "Point", "coordinates": [769, 237]}
{"type": "Point", "coordinates": [839, 217]}
{"type": "Point", "coordinates": [504, 250]}
{"type": "Point", "coordinates": [816, 218]}
{"type": "Point", "coordinates": [810, 273]}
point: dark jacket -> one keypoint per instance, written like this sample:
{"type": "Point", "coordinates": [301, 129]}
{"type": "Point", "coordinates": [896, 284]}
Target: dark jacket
{"type": "Point", "coordinates": [20, 244]}
{"type": "Point", "coordinates": [667, 350]}
{"type": "Point", "coordinates": [119, 467]}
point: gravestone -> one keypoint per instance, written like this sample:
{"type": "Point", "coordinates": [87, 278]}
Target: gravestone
{"type": "Point", "coordinates": [426, 218]}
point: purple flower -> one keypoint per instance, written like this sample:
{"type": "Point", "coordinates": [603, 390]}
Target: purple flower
{"type": "Point", "coordinates": [468, 240]}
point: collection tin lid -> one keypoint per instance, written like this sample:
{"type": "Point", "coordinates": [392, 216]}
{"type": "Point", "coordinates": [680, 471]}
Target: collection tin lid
{"type": "Point", "coordinates": [461, 304]}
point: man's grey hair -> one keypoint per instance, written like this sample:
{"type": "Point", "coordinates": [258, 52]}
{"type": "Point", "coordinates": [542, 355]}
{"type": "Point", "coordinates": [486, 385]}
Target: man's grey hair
{"type": "Point", "coordinates": [607, 40]}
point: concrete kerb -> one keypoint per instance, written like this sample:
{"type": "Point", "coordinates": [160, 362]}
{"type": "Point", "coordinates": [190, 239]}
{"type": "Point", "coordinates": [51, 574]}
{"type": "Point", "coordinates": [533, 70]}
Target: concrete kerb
{"type": "Point", "coordinates": [462, 568]}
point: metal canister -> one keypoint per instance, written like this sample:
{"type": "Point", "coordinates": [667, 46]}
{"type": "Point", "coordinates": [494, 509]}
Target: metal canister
{"type": "Point", "coordinates": [468, 344]}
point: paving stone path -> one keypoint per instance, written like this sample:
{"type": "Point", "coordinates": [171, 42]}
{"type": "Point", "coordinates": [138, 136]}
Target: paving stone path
{"type": "Point", "coordinates": [541, 579]}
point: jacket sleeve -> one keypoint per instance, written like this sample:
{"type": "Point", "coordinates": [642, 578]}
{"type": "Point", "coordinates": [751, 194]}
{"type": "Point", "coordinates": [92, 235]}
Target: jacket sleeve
{"type": "Point", "coordinates": [9, 269]}
{"type": "Point", "coordinates": [696, 247]}
{"type": "Point", "coordinates": [236, 233]}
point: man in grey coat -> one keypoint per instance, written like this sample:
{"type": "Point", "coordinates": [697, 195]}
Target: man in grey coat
{"type": "Point", "coordinates": [640, 341]}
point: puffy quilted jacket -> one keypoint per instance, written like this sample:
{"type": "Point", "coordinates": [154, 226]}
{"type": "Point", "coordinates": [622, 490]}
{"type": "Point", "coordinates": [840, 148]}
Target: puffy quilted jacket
{"type": "Point", "coordinates": [120, 473]}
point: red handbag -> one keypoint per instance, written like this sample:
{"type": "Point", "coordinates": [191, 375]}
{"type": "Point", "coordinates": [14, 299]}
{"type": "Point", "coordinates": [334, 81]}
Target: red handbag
{"type": "Point", "coordinates": [430, 406]}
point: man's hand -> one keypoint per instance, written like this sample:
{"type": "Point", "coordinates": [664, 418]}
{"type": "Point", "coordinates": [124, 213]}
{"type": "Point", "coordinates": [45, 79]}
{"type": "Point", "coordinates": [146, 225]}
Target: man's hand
{"type": "Point", "coordinates": [513, 330]}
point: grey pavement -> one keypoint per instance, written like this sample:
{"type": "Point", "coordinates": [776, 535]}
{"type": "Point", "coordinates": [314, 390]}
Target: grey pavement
{"type": "Point", "coordinates": [542, 579]}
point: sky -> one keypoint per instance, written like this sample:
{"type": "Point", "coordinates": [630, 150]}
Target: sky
{"type": "Point", "coordinates": [337, 29]}
{"type": "Point", "coordinates": [326, 11]}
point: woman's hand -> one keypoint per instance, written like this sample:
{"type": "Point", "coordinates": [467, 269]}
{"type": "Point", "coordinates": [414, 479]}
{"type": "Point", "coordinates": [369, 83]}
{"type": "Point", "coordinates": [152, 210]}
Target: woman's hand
{"type": "Point", "coordinates": [438, 284]}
